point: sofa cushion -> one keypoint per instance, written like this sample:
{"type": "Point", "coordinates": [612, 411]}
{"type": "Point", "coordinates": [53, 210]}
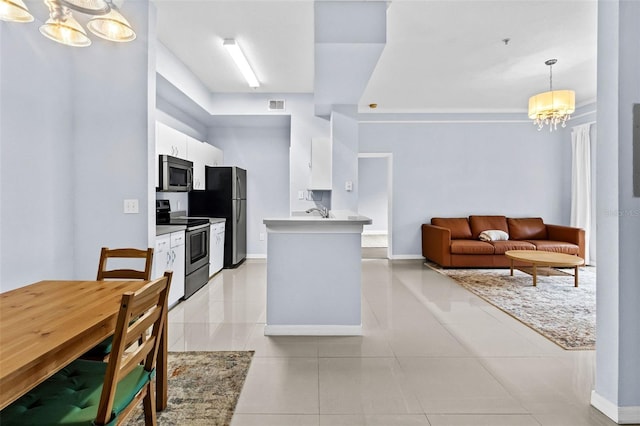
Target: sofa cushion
{"type": "Point", "coordinates": [556, 246]}
{"type": "Point", "coordinates": [459, 226]}
{"type": "Point", "coordinates": [470, 247]}
{"type": "Point", "coordinates": [483, 223]}
{"type": "Point", "coordinates": [528, 228]}
{"type": "Point", "coordinates": [501, 246]}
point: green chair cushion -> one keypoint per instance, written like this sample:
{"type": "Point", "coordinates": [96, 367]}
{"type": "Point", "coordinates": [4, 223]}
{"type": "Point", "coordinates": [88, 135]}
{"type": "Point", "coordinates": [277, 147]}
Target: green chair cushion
{"type": "Point", "coordinates": [101, 350]}
{"type": "Point", "coordinates": [71, 396]}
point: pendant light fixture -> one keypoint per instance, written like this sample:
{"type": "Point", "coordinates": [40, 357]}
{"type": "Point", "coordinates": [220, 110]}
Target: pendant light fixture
{"type": "Point", "coordinates": [14, 11]}
{"type": "Point", "coordinates": [552, 107]}
{"type": "Point", "coordinates": [108, 22]}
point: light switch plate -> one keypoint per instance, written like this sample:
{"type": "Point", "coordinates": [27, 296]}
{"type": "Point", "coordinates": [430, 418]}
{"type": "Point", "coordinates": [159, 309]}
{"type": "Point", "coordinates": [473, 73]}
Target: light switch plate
{"type": "Point", "coordinates": [131, 206]}
{"type": "Point", "coordinates": [301, 195]}
{"type": "Point", "coordinates": [348, 186]}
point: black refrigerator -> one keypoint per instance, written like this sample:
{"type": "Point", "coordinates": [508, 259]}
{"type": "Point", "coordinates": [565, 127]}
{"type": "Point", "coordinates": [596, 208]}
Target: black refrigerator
{"type": "Point", "coordinates": [225, 196]}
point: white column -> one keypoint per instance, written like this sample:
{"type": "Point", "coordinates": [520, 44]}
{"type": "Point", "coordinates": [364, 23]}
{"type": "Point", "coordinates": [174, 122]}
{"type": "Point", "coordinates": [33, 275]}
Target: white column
{"type": "Point", "coordinates": [617, 389]}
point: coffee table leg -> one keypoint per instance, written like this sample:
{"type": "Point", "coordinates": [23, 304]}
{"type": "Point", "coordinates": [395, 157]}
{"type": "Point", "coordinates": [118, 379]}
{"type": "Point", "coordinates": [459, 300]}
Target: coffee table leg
{"type": "Point", "coordinates": [575, 275]}
{"type": "Point", "coordinates": [511, 267]}
{"type": "Point", "coordinates": [535, 275]}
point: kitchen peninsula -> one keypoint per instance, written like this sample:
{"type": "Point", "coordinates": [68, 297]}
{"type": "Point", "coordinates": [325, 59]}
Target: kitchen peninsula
{"type": "Point", "coordinates": [313, 274]}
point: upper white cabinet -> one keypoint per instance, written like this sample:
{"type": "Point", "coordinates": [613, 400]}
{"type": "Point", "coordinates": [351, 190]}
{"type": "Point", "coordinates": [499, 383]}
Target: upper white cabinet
{"type": "Point", "coordinates": [202, 154]}
{"type": "Point", "coordinates": [170, 141]}
{"type": "Point", "coordinates": [320, 164]}
{"type": "Point", "coordinates": [195, 153]}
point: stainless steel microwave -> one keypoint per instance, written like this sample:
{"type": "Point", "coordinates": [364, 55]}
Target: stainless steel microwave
{"type": "Point", "coordinates": [176, 174]}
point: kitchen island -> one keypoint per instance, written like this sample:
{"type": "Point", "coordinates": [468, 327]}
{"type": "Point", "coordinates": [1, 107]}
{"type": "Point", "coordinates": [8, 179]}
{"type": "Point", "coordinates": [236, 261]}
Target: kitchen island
{"type": "Point", "coordinates": [314, 275]}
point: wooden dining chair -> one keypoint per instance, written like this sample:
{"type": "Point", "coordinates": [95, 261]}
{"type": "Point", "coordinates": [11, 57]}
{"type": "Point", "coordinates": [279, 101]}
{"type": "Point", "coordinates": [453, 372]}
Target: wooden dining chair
{"type": "Point", "coordinates": [98, 393]}
{"type": "Point", "coordinates": [102, 350]}
{"type": "Point", "coordinates": [122, 273]}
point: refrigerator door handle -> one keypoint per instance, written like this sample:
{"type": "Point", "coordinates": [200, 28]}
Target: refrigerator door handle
{"type": "Point", "coordinates": [238, 187]}
{"type": "Point", "coordinates": [238, 212]}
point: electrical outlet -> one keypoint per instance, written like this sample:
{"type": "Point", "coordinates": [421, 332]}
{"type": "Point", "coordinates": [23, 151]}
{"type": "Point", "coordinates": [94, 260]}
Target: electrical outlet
{"type": "Point", "coordinates": [131, 206]}
{"type": "Point", "coordinates": [348, 185]}
{"type": "Point", "coordinates": [262, 236]}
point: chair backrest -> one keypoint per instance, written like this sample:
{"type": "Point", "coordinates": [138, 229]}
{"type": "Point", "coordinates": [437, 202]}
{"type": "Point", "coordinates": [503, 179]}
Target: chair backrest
{"type": "Point", "coordinates": [125, 274]}
{"type": "Point", "coordinates": [139, 311]}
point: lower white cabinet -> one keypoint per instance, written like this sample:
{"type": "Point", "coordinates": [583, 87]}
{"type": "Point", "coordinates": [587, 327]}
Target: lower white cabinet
{"type": "Point", "coordinates": [169, 255]}
{"type": "Point", "coordinates": [216, 248]}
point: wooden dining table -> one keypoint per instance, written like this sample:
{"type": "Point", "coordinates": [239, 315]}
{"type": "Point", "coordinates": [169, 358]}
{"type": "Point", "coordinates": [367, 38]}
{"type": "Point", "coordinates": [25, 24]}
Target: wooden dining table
{"type": "Point", "coordinates": [47, 325]}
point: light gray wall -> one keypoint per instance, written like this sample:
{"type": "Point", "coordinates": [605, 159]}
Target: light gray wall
{"type": "Point", "coordinates": [344, 142]}
{"type": "Point", "coordinates": [372, 192]}
{"type": "Point", "coordinates": [454, 169]}
{"type": "Point", "coordinates": [264, 153]}
{"type": "Point", "coordinates": [304, 126]}
{"type": "Point", "coordinates": [75, 143]}
{"type": "Point", "coordinates": [36, 158]}
{"type": "Point", "coordinates": [618, 329]}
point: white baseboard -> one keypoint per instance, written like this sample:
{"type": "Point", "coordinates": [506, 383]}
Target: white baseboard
{"type": "Point", "coordinates": [407, 257]}
{"type": "Point", "coordinates": [313, 330]}
{"type": "Point", "coordinates": [256, 256]}
{"type": "Point", "coordinates": [365, 232]}
{"type": "Point", "coordinates": [620, 415]}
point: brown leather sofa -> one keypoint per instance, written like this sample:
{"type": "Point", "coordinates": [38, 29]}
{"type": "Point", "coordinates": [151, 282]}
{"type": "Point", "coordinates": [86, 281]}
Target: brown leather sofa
{"type": "Point", "coordinates": [454, 242]}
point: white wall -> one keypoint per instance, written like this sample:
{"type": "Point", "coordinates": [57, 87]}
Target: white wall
{"type": "Point", "coordinates": [372, 192]}
{"type": "Point", "coordinates": [304, 126]}
{"type": "Point", "coordinates": [36, 158]}
{"type": "Point", "coordinates": [264, 153]}
{"type": "Point", "coordinates": [454, 169]}
{"type": "Point", "coordinates": [618, 329]}
{"type": "Point", "coordinates": [75, 144]}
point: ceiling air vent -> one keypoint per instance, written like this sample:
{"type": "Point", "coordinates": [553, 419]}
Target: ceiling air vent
{"type": "Point", "coordinates": [276, 105]}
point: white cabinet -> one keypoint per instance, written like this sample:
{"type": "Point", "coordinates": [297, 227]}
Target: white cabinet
{"type": "Point", "coordinates": [320, 164]}
{"type": "Point", "coordinates": [170, 141]}
{"type": "Point", "coordinates": [216, 247]}
{"type": "Point", "coordinates": [169, 255]}
{"type": "Point", "coordinates": [202, 154]}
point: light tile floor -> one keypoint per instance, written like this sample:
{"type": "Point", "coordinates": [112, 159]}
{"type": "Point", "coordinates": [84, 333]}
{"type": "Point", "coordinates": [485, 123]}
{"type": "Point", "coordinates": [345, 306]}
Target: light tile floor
{"type": "Point", "coordinates": [431, 354]}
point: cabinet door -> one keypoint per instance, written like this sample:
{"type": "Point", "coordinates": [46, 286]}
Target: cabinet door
{"type": "Point", "coordinates": [212, 155]}
{"type": "Point", "coordinates": [195, 153]}
{"type": "Point", "coordinates": [320, 164]}
{"type": "Point", "coordinates": [176, 292]}
{"type": "Point", "coordinates": [161, 255]}
{"type": "Point", "coordinates": [170, 141]}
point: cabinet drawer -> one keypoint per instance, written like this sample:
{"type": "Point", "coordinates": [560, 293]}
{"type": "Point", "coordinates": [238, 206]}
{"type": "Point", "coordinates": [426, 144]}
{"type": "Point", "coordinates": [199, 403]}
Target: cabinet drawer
{"type": "Point", "coordinates": [177, 239]}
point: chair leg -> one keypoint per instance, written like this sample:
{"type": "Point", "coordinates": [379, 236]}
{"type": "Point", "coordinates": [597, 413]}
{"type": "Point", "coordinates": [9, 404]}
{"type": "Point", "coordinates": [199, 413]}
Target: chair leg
{"type": "Point", "coordinates": [149, 404]}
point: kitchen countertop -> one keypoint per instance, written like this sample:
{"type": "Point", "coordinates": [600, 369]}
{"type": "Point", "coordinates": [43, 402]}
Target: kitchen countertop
{"type": "Point", "coordinates": [167, 229]}
{"type": "Point", "coordinates": [338, 221]}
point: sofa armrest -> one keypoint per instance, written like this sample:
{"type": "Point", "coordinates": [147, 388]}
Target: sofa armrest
{"type": "Point", "coordinates": [567, 234]}
{"type": "Point", "coordinates": [436, 243]}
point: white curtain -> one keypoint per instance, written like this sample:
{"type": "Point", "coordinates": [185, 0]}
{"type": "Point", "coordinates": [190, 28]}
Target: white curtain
{"type": "Point", "coordinates": [581, 195]}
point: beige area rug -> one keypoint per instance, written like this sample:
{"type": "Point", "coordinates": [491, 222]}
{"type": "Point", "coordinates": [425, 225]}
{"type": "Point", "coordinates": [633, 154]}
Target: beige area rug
{"type": "Point", "coordinates": [203, 388]}
{"type": "Point", "coordinates": [564, 314]}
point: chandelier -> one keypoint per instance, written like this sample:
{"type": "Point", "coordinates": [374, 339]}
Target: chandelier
{"type": "Point", "coordinates": [107, 22]}
{"type": "Point", "coordinates": [552, 107]}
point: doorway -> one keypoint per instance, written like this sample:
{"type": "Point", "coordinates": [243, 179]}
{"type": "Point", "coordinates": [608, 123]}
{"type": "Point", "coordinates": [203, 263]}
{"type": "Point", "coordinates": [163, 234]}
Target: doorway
{"type": "Point", "coordinates": [374, 201]}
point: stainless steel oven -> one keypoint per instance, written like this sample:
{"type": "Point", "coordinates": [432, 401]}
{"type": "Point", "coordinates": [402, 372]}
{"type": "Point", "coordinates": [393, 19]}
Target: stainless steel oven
{"type": "Point", "coordinates": [196, 258]}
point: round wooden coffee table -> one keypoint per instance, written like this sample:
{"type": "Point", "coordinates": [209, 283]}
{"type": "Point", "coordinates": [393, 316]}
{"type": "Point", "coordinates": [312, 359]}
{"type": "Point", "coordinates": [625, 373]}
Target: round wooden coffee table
{"type": "Point", "coordinates": [546, 260]}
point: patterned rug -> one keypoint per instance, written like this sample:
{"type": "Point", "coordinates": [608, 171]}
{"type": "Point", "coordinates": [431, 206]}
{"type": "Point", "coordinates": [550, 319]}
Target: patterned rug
{"type": "Point", "coordinates": [203, 388]}
{"type": "Point", "coordinates": [564, 314]}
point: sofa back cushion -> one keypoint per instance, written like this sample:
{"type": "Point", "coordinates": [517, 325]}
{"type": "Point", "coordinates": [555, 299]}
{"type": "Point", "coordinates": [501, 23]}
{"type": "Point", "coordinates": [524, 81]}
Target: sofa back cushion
{"type": "Point", "coordinates": [484, 223]}
{"type": "Point", "coordinates": [459, 226]}
{"type": "Point", "coordinates": [527, 228]}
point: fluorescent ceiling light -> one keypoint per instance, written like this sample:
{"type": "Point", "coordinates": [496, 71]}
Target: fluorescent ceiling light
{"type": "Point", "coordinates": [241, 61]}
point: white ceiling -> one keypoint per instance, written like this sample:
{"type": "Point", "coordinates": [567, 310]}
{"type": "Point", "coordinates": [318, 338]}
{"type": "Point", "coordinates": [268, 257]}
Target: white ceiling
{"type": "Point", "coordinates": [440, 56]}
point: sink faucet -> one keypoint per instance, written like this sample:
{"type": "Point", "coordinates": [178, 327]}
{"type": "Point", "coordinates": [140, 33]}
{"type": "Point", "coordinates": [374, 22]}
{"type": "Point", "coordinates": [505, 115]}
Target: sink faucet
{"type": "Point", "coordinates": [324, 212]}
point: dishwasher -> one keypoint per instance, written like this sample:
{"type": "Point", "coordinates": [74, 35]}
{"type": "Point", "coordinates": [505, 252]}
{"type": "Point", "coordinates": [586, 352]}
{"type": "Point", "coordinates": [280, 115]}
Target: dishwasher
{"type": "Point", "coordinates": [217, 248]}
